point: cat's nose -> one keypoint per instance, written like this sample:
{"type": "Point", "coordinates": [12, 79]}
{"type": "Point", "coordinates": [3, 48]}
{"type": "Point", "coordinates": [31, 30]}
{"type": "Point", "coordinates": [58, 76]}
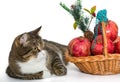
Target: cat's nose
{"type": "Point", "coordinates": [39, 48]}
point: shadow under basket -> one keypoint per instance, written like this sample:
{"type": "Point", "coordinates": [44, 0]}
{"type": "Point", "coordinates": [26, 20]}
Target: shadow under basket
{"type": "Point", "coordinates": [103, 64]}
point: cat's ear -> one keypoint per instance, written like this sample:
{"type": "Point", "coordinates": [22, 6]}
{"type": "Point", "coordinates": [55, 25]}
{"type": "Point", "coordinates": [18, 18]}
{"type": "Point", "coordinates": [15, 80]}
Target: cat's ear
{"type": "Point", "coordinates": [36, 31]}
{"type": "Point", "coordinates": [23, 38]}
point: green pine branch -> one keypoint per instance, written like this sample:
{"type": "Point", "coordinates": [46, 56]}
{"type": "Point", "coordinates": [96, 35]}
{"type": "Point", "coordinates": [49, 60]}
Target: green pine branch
{"type": "Point", "coordinates": [65, 7]}
{"type": "Point", "coordinates": [83, 24]}
{"type": "Point", "coordinates": [76, 11]}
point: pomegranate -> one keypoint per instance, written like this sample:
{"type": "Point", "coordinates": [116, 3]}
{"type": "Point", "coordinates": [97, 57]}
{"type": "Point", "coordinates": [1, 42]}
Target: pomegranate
{"type": "Point", "coordinates": [116, 40]}
{"type": "Point", "coordinates": [79, 47]}
{"type": "Point", "coordinates": [111, 30]}
{"type": "Point", "coordinates": [97, 45]}
{"type": "Point", "coordinates": [117, 45]}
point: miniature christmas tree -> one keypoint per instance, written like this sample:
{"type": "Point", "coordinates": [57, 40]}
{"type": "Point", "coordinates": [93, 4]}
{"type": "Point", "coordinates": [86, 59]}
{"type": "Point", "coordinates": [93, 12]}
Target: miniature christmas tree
{"type": "Point", "coordinates": [81, 21]}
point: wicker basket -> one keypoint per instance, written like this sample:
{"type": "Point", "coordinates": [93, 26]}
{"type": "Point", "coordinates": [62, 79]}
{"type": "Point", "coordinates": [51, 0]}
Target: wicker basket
{"type": "Point", "coordinates": [104, 64]}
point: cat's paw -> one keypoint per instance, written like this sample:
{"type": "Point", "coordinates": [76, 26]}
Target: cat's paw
{"type": "Point", "coordinates": [60, 71]}
{"type": "Point", "coordinates": [46, 74]}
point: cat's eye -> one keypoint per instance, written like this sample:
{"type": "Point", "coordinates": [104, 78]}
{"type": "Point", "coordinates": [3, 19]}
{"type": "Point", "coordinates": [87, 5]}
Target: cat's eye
{"type": "Point", "coordinates": [35, 49]}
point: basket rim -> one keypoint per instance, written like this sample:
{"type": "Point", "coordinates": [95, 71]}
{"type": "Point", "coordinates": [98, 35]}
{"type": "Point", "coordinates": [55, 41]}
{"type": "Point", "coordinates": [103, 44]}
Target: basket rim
{"type": "Point", "coordinates": [95, 58]}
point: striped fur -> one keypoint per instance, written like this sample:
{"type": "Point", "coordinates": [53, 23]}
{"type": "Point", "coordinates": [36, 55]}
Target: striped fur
{"type": "Point", "coordinates": [23, 57]}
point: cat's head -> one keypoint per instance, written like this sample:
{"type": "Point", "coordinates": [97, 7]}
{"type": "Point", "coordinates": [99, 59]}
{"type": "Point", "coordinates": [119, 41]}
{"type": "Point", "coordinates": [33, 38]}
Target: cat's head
{"type": "Point", "coordinates": [31, 39]}
{"type": "Point", "coordinates": [28, 43]}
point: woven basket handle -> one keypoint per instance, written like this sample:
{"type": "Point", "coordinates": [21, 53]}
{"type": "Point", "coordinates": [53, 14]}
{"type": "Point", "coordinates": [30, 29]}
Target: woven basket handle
{"type": "Point", "coordinates": [104, 40]}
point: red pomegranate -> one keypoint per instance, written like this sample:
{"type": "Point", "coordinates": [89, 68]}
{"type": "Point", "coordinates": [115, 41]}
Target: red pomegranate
{"type": "Point", "coordinates": [111, 30]}
{"type": "Point", "coordinates": [97, 45]}
{"type": "Point", "coordinates": [117, 39]}
{"type": "Point", "coordinates": [117, 45]}
{"type": "Point", "coordinates": [79, 47]}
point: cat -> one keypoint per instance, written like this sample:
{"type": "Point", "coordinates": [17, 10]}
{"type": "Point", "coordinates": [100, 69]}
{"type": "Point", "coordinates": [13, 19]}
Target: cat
{"type": "Point", "coordinates": [32, 57]}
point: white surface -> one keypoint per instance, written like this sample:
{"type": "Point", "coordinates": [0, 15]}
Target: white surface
{"type": "Point", "coordinates": [18, 16]}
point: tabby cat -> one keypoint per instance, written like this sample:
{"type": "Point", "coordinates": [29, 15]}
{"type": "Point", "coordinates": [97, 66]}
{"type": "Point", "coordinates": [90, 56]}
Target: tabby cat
{"type": "Point", "coordinates": [32, 57]}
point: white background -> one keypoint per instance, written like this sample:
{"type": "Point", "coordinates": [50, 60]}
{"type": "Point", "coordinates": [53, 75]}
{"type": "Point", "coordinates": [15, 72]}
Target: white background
{"type": "Point", "coordinates": [19, 16]}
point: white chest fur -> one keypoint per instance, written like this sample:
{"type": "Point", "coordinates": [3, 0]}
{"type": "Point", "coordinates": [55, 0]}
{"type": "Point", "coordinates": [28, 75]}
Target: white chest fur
{"type": "Point", "coordinates": [34, 65]}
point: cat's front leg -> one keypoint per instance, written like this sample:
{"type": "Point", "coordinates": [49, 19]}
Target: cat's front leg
{"type": "Point", "coordinates": [60, 70]}
{"type": "Point", "coordinates": [58, 67]}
